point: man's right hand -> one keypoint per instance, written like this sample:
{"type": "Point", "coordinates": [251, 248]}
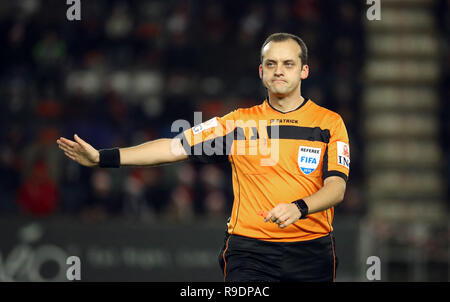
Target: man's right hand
{"type": "Point", "coordinates": [79, 151]}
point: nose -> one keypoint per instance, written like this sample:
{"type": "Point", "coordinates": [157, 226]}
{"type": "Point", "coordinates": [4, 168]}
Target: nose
{"type": "Point", "coordinates": [278, 71]}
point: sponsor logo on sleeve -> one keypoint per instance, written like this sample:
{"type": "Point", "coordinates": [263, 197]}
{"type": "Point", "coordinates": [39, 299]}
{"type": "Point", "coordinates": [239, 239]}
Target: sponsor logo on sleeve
{"type": "Point", "coordinates": [343, 154]}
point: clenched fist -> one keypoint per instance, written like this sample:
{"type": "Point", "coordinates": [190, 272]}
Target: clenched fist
{"type": "Point", "coordinates": [283, 214]}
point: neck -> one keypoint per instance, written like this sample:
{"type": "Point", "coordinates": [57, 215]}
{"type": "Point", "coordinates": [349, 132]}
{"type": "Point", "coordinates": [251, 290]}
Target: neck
{"type": "Point", "coordinates": [286, 103]}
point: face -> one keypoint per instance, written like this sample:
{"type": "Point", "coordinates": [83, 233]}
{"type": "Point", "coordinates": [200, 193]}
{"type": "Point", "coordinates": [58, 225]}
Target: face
{"type": "Point", "coordinates": [281, 70]}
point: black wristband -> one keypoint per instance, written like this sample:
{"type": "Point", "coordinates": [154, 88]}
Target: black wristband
{"type": "Point", "coordinates": [303, 207]}
{"type": "Point", "coordinates": [109, 158]}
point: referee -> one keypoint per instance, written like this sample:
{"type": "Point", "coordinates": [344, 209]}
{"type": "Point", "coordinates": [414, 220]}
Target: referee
{"type": "Point", "coordinates": [290, 162]}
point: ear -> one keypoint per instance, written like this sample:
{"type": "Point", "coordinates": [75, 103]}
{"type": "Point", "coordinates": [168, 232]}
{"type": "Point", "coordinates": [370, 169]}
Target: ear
{"type": "Point", "coordinates": [305, 72]}
{"type": "Point", "coordinates": [260, 71]}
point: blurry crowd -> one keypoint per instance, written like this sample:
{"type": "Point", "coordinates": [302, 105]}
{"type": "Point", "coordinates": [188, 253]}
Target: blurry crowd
{"type": "Point", "coordinates": [124, 73]}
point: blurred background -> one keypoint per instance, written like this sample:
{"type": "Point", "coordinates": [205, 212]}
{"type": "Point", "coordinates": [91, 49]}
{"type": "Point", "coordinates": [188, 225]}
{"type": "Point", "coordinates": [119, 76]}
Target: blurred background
{"type": "Point", "coordinates": [127, 70]}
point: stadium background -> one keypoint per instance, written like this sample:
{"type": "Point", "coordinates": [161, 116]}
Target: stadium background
{"type": "Point", "coordinates": [128, 69]}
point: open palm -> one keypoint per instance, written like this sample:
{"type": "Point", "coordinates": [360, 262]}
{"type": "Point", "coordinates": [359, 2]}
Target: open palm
{"type": "Point", "coordinates": [79, 151]}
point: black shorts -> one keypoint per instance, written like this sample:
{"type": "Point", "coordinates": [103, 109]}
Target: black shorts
{"type": "Point", "coordinates": [246, 259]}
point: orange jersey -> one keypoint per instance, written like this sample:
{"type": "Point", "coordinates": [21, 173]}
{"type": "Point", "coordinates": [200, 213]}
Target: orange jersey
{"type": "Point", "coordinates": [276, 158]}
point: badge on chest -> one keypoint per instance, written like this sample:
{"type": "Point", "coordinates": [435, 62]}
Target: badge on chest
{"type": "Point", "coordinates": [308, 159]}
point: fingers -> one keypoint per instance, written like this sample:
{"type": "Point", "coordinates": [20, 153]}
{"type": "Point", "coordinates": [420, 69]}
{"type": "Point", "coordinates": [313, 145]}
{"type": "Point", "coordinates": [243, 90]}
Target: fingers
{"type": "Point", "coordinates": [275, 216]}
{"type": "Point", "coordinates": [66, 142]}
{"type": "Point", "coordinates": [68, 151]}
{"type": "Point", "coordinates": [272, 215]}
{"type": "Point", "coordinates": [66, 145]}
{"type": "Point", "coordinates": [282, 214]}
{"type": "Point", "coordinates": [79, 140]}
{"type": "Point", "coordinates": [283, 218]}
{"type": "Point", "coordinates": [72, 144]}
{"type": "Point", "coordinates": [69, 155]}
{"type": "Point", "coordinates": [269, 216]}
{"type": "Point", "coordinates": [69, 147]}
{"type": "Point", "coordinates": [287, 222]}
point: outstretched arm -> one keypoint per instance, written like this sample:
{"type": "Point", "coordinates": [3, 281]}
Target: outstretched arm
{"type": "Point", "coordinates": [152, 153]}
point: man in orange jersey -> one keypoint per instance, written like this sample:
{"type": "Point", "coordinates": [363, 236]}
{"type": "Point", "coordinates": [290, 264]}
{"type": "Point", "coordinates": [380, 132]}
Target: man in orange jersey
{"type": "Point", "coordinates": [290, 162]}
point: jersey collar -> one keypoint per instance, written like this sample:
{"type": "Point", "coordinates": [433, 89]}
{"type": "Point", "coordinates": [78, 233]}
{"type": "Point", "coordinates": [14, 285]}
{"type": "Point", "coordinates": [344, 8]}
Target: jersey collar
{"type": "Point", "coordinates": [305, 100]}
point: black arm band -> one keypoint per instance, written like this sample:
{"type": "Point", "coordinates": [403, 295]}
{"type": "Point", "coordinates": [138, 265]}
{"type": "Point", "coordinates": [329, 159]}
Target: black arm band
{"type": "Point", "coordinates": [109, 158]}
{"type": "Point", "coordinates": [303, 207]}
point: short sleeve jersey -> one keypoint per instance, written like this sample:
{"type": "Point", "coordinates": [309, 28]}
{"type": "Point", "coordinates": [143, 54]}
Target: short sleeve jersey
{"type": "Point", "coordinates": [276, 158]}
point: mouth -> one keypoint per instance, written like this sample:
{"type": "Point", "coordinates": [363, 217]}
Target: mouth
{"type": "Point", "coordinates": [278, 81]}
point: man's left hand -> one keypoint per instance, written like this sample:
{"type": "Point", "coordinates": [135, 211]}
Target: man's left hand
{"type": "Point", "coordinates": [283, 214]}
